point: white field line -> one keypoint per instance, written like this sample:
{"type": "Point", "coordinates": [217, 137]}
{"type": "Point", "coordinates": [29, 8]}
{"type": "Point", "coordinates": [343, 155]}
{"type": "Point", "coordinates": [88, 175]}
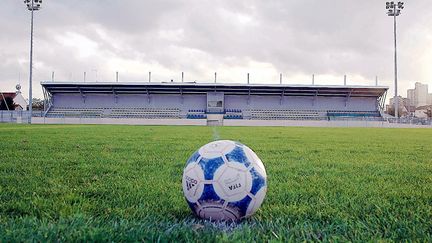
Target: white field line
{"type": "Point", "coordinates": [216, 135]}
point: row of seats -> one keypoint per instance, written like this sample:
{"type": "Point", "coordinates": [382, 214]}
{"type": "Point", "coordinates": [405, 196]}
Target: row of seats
{"type": "Point", "coordinates": [133, 112]}
{"type": "Point", "coordinates": [201, 114]}
{"type": "Point", "coordinates": [147, 113]}
{"type": "Point", "coordinates": [362, 118]}
{"type": "Point", "coordinates": [354, 113]}
{"type": "Point", "coordinates": [197, 111]}
{"type": "Point", "coordinates": [196, 116]}
{"type": "Point", "coordinates": [235, 114]}
{"type": "Point", "coordinates": [226, 111]}
{"type": "Point", "coordinates": [237, 117]}
{"type": "Point", "coordinates": [174, 113]}
{"type": "Point", "coordinates": [233, 110]}
{"type": "Point", "coordinates": [261, 114]}
{"type": "Point", "coordinates": [60, 112]}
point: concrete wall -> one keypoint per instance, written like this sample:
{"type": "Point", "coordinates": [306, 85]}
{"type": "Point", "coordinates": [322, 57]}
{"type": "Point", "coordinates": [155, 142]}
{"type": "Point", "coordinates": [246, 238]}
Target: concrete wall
{"type": "Point", "coordinates": [300, 103]}
{"type": "Point", "coordinates": [203, 122]}
{"type": "Point", "coordinates": [130, 100]}
{"type": "Point", "coordinates": [154, 122]}
{"type": "Point", "coordinates": [273, 123]}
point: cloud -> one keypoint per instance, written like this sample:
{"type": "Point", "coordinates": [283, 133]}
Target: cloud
{"type": "Point", "coordinates": [297, 38]}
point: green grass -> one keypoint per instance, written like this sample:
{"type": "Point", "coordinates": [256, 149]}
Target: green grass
{"type": "Point", "coordinates": [123, 183]}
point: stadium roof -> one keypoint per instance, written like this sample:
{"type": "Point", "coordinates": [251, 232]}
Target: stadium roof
{"type": "Point", "coordinates": [187, 88]}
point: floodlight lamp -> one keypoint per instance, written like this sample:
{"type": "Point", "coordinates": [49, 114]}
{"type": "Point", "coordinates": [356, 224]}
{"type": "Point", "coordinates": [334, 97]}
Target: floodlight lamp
{"type": "Point", "coordinates": [33, 5]}
{"type": "Point", "coordinates": [387, 5]}
{"type": "Point", "coordinates": [401, 5]}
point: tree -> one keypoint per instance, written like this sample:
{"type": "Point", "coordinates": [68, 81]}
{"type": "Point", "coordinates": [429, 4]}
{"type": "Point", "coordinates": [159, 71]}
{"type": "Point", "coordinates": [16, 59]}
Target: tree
{"type": "Point", "coordinates": [38, 104]}
{"type": "Point", "coordinates": [391, 111]}
{"type": "Point", "coordinates": [428, 112]}
{"type": "Point", "coordinates": [9, 103]}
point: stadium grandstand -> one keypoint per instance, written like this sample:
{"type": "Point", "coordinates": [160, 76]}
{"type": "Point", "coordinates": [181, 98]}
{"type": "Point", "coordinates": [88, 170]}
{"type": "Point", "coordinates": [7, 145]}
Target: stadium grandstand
{"type": "Point", "coordinates": [213, 102]}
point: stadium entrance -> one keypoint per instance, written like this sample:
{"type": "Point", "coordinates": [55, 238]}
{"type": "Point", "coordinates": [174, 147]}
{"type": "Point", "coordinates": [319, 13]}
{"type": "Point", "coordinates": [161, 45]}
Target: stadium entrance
{"type": "Point", "coordinates": [215, 108]}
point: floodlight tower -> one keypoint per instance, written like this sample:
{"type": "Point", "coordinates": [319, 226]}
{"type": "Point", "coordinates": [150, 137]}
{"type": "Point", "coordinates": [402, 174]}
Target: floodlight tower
{"type": "Point", "coordinates": [394, 10]}
{"type": "Point", "coordinates": [32, 5]}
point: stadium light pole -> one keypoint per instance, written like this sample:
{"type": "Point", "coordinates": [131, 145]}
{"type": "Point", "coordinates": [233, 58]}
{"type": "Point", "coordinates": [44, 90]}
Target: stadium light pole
{"type": "Point", "coordinates": [32, 5]}
{"type": "Point", "coordinates": [394, 10]}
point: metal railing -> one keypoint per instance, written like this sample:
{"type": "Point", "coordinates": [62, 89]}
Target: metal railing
{"type": "Point", "coordinates": [23, 117]}
{"type": "Point", "coordinates": [411, 121]}
{"type": "Point", "coordinates": [18, 116]}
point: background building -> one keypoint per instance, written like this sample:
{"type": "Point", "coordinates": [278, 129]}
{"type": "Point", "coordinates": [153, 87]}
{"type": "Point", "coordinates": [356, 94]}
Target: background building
{"type": "Point", "coordinates": [415, 103]}
{"type": "Point", "coordinates": [19, 100]}
{"type": "Point", "coordinates": [421, 94]}
{"type": "Point", "coordinates": [411, 96]}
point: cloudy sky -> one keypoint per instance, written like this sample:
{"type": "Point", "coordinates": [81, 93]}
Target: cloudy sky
{"type": "Point", "coordinates": [231, 37]}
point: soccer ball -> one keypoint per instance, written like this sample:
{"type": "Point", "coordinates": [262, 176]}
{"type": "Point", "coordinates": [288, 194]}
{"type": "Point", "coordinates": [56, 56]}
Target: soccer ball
{"type": "Point", "coordinates": [224, 181]}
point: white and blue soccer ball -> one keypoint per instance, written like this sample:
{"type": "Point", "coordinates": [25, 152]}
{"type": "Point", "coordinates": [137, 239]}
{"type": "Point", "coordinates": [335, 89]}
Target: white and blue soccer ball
{"type": "Point", "coordinates": [224, 181]}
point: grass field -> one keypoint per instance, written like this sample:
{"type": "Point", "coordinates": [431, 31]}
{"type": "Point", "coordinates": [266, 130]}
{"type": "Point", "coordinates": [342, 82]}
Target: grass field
{"type": "Point", "coordinates": [123, 183]}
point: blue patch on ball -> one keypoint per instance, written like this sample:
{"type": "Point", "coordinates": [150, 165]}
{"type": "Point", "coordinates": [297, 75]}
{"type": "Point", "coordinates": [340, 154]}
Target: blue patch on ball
{"type": "Point", "coordinates": [258, 181]}
{"type": "Point", "coordinates": [240, 206]}
{"type": "Point", "coordinates": [209, 166]}
{"type": "Point", "coordinates": [209, 194]}
{"type": "Point", "coordinates": [193, 158]}
{"type": "Point", "coordinates": [238, 155]}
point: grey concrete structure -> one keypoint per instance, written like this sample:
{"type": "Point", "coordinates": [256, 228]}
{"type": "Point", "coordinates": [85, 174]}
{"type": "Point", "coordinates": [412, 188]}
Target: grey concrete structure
{"type": "Point", "coordinates": [199, 101]}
